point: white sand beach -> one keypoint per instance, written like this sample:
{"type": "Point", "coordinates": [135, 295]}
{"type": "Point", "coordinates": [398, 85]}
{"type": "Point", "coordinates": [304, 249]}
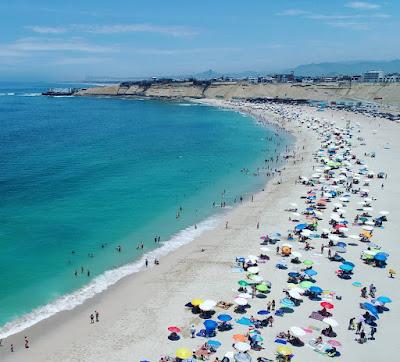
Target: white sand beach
{"type": "Point", "coordinates": [136, 312]}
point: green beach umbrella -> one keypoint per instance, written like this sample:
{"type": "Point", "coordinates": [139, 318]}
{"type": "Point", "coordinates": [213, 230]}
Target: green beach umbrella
{"type": "Point", "coordinates": [306, 284]}
{"type": "Point", "coordinates": [243, 283]}
{"type": "Point", "coordinates": [308, 262]}
{"type": "Point", "coordinates": [262, 287]}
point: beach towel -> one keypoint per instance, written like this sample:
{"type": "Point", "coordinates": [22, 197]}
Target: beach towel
{"type": "Point", "coordinates": [317, 316]}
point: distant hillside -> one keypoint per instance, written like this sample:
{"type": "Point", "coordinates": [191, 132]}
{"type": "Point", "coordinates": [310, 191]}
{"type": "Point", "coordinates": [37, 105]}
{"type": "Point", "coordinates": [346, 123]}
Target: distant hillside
{"type": "Point", "coordinates": [358, 67]}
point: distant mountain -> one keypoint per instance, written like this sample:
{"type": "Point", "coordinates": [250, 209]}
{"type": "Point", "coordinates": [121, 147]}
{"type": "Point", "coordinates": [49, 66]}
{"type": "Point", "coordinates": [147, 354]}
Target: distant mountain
{"type": "Point", "coordinates": [347, 68]}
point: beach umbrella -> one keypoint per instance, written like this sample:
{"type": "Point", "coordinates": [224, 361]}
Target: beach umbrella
{"type": "Point", "coordinates": [286, 302]}
{"type": "Point", "coordinates": [315, 289]}
{"type": "Point", "coordinates": [245, 321]}
{"type": "Point", "coordinates": [174, 329]}
{"type": "Point", "coordinates": [205, 307]}
{"type": "Point", "coordinates": [243, 283]}
{"type": "Point", "coordinates": [346, 267]}
{"type": "Point", "coordinates": [330, 321]}
{"type": "Point", "coordinates": [371, 308]}
{"type": "Point", "coordinates": [297, 331]}
{"type": "Point", "coordinates": [383, 299]}
{"type": "Point", "coordinates": [183, 353]}
{"type": "Point", "coordinates": [196, 302]}
{"type": "Point", "coordinates": [295, 294]}
{"type": "Point", "coordinates": [310, 272]}
{"type": "Point", "coordinates": [341, 244]}
{"type": "Point", "coordinates": [308, 262]}
{"type": "Point", "coordinates": [210, 324]}
{"type": "Point", "coordinates": [255, 337]}
{"type": "Point", "coordinates": [262, 287]}
{"type": "Point", "coordinates": [242, 346]}
{"type": "Point", "coordinates": [306, 232]}
{"type": "Point", "coordinates": [240, 301]}
{"type": "Point", "coordinates": [284, 350]}
{"type": "Point", "coordinates": [357, 284]}
{"type": "Point", "coordinates": [306, 284]}
{"type": "Point", "coordinates": [224, 317]}
{"type": "Point", "coordinates": [349, 263]}
{"type": "Point", "coordinates": [280, 341]}
{"type": "Point", "coordinates": [262, 312]}
{"type": "Point", "coordinates": [253, 270]}
{"type": "Point", "coordinates": [301, 226]}
{"type": "Point", "coordinates": [239, 338]}
{"type": "Point", "coordinates": [214, 343]}
{"type": "Point", "coordinates": [294, 274]}
{"type": "Point", "coordinates": [334, 343]}
{"type": "Point", "coordinates": [380, 256]}
{"type": "Point", "coordinates": [339, 249]}
{"type": "Point", "coordinates": [327, 305]}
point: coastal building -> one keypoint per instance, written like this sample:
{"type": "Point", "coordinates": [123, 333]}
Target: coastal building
{"type": "Point", "coordinates": [373, 76]}
{"type": "Point", "coordinates": [284, 78]}
{"type": "Point", "coordinates": [392, 78]}
{"type": "Point", "coordinates": [265, 79]}
{"type": "Point", "coordinates": [356, 78]}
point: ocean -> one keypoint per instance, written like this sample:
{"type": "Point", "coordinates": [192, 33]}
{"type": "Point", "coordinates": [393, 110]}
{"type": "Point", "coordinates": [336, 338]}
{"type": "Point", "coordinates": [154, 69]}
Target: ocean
{"type": "Point", "coordinates": [81, 177]}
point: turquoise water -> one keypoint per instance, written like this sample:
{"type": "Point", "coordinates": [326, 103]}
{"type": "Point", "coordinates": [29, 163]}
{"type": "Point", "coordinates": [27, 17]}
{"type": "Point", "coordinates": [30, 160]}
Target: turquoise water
{"type": "Point", "coordinates": [80, 176]}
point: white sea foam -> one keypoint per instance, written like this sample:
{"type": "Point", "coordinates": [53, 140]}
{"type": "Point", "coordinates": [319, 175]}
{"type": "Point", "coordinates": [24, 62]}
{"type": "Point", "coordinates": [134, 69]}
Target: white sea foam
{"type": "Point", "coordinates": [105, 280]}
{"type": "Point", "coordinates": [29, 94]}
{"type": "Point", "coordinates": [7, 94]}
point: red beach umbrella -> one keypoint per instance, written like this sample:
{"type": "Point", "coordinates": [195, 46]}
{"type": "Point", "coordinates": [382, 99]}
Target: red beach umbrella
{"type": "Point", "coordinates": [174, 329]}
{"type": "Point", "coordinates": [327, 305]}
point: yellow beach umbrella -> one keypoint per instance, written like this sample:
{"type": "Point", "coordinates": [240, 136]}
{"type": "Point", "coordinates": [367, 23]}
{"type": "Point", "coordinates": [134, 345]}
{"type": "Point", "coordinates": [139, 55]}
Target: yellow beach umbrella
{"type": "Point", "coordinates": [183, 353]}
{"type": "Point", "coordinates": [283, 350]}
{"type": "Point", "coordinates": [196, 302]}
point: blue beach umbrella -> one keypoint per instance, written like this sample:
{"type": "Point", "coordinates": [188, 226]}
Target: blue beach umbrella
{"type": "Point", "coordinates": [341, 244]}
{"type": "Point", "coordinates": [294, 274]}
{"type": "Point", "coordinates": [224, 317]}
{"type": "Point", "coordinates": [357, 284]}
{"type": "Point", "coordinates": [256, 337]}
{"type": "Point", "coordinates": [371, 308]}
{"type": "Point", "coordinates": [380, 257]}
{"type": "Point", "coordinates": [287, 302]}
{"type": "Point", "coordinates": [315, 289]}
{"type": "Point", "coordinates": [346, 267]}
{"type": "Point", "coordinates": [384, 299]}
{"type": "Point", "coordinates": [300, 226]}
{"type": "Point", "coordinates": [262, 312]}
{"type": "Point", "coordinates": [210, 324]}
{"type": "Point", "coordinates": [280, 341]}
{"type": "Point", "coordinates": [214, 343]}
{"type": "Point", "coordinates": [310, 272]}
{"type": "Point", "coordinates": [349, 263]}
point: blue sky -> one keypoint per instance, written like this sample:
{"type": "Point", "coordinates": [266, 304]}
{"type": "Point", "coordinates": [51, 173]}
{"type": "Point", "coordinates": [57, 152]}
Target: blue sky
{"type": "Point", "coordinates": [72, 40]}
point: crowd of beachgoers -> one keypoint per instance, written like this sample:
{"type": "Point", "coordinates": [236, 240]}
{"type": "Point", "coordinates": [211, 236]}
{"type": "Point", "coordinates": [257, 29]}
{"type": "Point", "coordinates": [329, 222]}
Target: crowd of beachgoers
{"type": "Point", "coordinates": [334, 214]}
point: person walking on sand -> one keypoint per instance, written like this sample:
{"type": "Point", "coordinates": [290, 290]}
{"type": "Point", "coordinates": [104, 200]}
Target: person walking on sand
{"type": "Point", "coordinates": [12, 348]}
{"type": "Point", "coordinates": [26, 342]}
{"type": "Point", "coordinates": [97, 315]}
{"type": "Point", "coordinates": [352, 326]}
{"type": "Point", "coordinates": [329, 253]}
{"type": "Point", "coordinates": [91, 318]}
{"type": "Point", "coordinates": [273, 305]}
{"type": "Point", "coordinates": [226, 225]}
{"type": "Point", "coordinates": [192, 331]}
{"type": "Point", "coordinates": [146, 263]}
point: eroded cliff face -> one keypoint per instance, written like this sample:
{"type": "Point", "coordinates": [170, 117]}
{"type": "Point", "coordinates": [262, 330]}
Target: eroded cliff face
{"type": "Point", "coordinates": [383, 93]}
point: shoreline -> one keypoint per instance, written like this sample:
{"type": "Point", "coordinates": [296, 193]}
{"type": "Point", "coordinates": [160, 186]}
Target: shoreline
{"type": "Point", "coordinates": [89, 291]}
{"type": "Point", "coordinates": [135, 312]}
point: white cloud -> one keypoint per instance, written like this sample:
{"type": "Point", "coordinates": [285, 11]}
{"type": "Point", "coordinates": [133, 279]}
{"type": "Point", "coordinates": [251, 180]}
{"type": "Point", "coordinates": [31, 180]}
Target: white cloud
{"type": "Point", "coordinates": [176, 31]}
{"type": "Point", "coordinates": [362, 5]}
{"type": "Point", "coordinates": [348, 25]}
{"type": "Point", "coordinates": [292, 12]}
{"type": "Point", "coordinates": [48, 29]}
{"type": "Point", "coordinates": [51, 45]}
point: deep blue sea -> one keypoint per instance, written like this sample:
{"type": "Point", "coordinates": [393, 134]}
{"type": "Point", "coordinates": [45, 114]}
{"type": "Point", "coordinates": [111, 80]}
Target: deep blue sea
{"type": "Point", "coordinates": [81, 176]}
